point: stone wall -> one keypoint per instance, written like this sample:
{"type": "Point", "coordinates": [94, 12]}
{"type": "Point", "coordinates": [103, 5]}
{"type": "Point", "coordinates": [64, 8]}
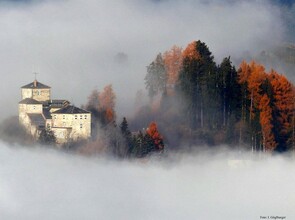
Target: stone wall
{"type": "Point", "coordinates": [80, 124]}
{"type": "Point", "coordinates": [24, 109]}
{"type": "Point", "coordinates": [36, 93]}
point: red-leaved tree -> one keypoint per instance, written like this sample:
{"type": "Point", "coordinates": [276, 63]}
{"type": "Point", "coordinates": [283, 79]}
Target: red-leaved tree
{"type": "Point", "coordinates": [153, 132]}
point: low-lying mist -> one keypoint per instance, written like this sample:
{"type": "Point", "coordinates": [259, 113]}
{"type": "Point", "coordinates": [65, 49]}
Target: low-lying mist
{"type": "Point", "coordinates": [39, 183]}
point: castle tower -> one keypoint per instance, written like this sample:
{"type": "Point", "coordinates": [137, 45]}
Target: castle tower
{"type": "Point", "coordinates": [37, 111]}
{"type": "Point", "coordinates": [36, 90]}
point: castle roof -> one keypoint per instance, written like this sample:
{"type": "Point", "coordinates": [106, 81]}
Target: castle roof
{"type": "Point", "coordinates": [70, 109]}
{"type": "Point", "coordinates": [30, 101]}
{"type": "Point", "coordinates": [35, 85]}
{"type": "Point", "coordinates": [46, 113]}
{"type": "Point", "coordinates": [55, 103]}
{"type": "Point", "coordinates": [59, 103]}
{"type": "Point", "coordinates": [37, 119]}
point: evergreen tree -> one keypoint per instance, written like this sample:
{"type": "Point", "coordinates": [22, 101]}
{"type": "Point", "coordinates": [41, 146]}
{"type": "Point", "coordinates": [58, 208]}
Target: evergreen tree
{"type": "Point", "coordinates": [155, 79]}
{"type": "Point", "coordinates": [198, 85]}
{"type": "Point", "coordinates": [230, 92]}
{"type": "Point", "coordinates": [152, 131]}
{"type": "Point", "coordinates": [148, 145]}
{"type": "Point", "coordinates": [127, 136]}
{"type": "Point", "coordinates": [138, 145]}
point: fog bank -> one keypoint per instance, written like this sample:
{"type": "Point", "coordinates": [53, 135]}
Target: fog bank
{"type": "Point", "coordinates": [45, 184]}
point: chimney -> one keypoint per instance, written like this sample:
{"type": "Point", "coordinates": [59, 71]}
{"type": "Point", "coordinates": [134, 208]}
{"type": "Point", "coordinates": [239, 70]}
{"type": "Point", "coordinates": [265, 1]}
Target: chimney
{"type": "Point", "coordinates": [35, 83]}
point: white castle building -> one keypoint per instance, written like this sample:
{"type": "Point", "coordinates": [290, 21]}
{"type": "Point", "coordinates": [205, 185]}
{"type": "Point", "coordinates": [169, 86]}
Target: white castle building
{"type": "Point", "coordinates": [37, 111]}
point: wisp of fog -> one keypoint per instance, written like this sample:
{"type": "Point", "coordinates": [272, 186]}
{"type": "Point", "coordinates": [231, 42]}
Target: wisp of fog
{"type": "Point", "coordinates": [47, 184]}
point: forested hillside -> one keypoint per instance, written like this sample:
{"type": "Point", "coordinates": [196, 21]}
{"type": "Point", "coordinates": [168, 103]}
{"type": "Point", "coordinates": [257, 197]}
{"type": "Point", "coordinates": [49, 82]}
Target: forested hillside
{"type": "Point", "coordinates": [196, 101]}
{"type": "Point", "coordinates": [192, 102]}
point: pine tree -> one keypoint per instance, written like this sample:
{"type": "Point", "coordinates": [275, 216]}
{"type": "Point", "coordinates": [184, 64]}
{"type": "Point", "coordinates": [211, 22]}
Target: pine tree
{"type": "Point", "coordinates": [198, 85]}
{"type": "Point", "coordinates": [155, 79]}
{"type": "Point", "coordinates": [148, 145]}
{"type": "Point", "coordinates": [230, 92]}
{"type": "Point", "coordinates": [127, 136]}
{"type": "Point", "coordinates": [138, 145]}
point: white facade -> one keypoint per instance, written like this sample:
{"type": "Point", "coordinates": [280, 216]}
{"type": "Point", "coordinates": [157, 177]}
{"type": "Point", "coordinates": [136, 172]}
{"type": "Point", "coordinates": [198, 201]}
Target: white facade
{"type": "Point", "coordinates": [37, 111]}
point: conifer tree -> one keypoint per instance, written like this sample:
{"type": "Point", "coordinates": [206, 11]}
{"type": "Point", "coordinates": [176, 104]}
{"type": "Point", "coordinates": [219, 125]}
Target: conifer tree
{"type": "Point", "coordinates": [230, 92]}
{"type": "Point", "coordinates": [284, 97]}
{"type": "Point", "coordinates": [268, 139]}
{"type": "Point", "coordinates": [107, 104]}
{"type": "Point", "coordinates": [155, 79]}
{"type": "Point", "coordinates": [126, 135]}
{"type": "Point", "coordinates": [173, 66]}
{"type": "Point", "coordinates": [138, 145]}
{"type": "Point", "coordinates": [157, 138]}
{"type": "Point", "coordinates": [198, 85]}
{"type": "Point", "coordinates": [148, 145]}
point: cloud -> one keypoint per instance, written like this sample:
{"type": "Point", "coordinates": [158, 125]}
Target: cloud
{"type": "Point", "coordinates": [73, 44]}
{"type": "Point", "coordinates": [45, 184]}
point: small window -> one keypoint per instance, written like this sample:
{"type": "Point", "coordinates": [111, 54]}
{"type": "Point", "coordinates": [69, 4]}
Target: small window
{"type": "Point", "coordinates": [81, 116]}
{"type": "Point", "coordinates": [76, 116]}
{"type": "Point", "coordinates": [55, 117]}
{"type": "Point", "coordinates": [34, 107]}
{"type": "Point", "coordinates": [85, 116]}
{"type": "Point", "coordinates": [81, 125]}
{"type": "Point", "coordinates": [63, 117]}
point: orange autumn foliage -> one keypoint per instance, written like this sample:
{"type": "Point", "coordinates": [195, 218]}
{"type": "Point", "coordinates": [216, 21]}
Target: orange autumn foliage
{"type": "Point", "coordinates": [244, 72]}
{"type": "Point", "coordinates": [153, 132]}
{"type": "Point", "coordinates": [253, 75]}
{"type": "Point", "coordinates": [284, 97]}
{"type": "Point", "coordinates": [107, 102]}
{"type": "Point", "coordinates": [255, 80]}
{"type": "Point", "coordinates": [190, 51]}
{"type": "Point", "coordinates": [173, 65]}
{"type": "Point", "coordinates": [110, 114]}
{"type": "Point", "coordinates": [266, 124]}
{"type": "Point", "coordinates": [277, 110]}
